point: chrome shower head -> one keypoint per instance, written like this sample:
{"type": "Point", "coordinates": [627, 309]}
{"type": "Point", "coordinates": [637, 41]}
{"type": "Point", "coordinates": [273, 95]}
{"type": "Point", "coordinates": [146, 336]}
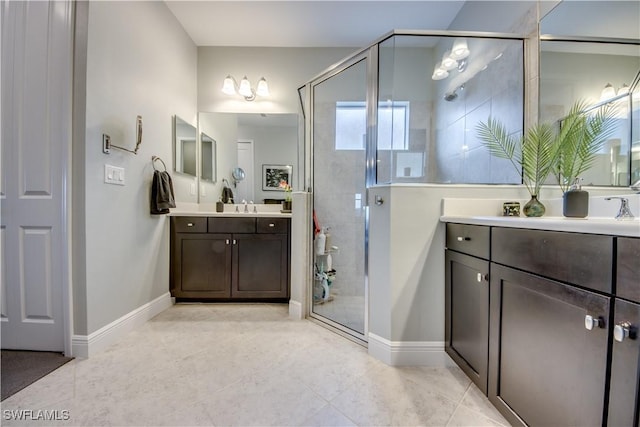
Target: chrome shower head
{"type": "Point", "coordinates": [450, 96]}
{"type": "Point", "coordinates": [453, 95]}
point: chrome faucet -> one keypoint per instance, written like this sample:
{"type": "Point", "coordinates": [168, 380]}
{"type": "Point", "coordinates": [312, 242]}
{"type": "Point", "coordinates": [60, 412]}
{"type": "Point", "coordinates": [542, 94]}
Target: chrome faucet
{"type": "Point", "coordinates": [636, 186]}
{"type": "Point", "coordinates": [624, 212]}
{"type": "Point", "coordinates": [246, 207]}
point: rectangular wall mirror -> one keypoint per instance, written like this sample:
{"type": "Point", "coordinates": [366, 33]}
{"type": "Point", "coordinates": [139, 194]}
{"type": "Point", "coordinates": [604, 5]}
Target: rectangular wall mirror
{"type": "Point", "coordinates": [247, 141]}
{"type": "Point", "coordinates": [184, 147]}
{"type": "Point", "coordinates": [587, 47]}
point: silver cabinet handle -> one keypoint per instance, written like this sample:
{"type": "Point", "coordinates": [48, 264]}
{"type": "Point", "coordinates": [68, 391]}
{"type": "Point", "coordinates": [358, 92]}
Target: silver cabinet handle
{"type": "Point", "coordinates": [227, 241]}
{"type": "Point", "coordinates": [479, 277]}
{"type": "Point", "coordinates": [235, 241]}
{"type": "Point", "coordinates": [623, 330]}
{"type": "Point", "coordinates": [591, 322]}
{"type": "Point", "coordinates": [463, 239]}
{"type": "Point", "coordinates": [272, 225]}
{"type": "Point", "coordinates": [189, 224]}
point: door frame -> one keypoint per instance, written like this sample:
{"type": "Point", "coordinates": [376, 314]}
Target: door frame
{"type": "Point", "coordinates": [370, 56]}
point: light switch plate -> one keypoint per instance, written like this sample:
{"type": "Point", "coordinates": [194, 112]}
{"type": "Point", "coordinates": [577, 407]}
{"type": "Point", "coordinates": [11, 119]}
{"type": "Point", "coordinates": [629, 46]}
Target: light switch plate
{"type": "Point", "coordinates": [113, 175]}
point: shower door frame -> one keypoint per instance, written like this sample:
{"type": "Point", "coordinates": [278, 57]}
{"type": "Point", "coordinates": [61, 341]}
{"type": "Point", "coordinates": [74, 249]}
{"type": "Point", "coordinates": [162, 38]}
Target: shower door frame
{"type": "Point", "coordinates": [370, 56]}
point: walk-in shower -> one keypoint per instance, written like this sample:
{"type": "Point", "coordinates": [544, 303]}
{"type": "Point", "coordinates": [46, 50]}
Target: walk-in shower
{"type": "Point", "coordinates": [400, 111]}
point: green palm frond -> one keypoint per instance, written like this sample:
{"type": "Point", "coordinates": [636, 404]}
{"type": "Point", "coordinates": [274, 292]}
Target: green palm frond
{"type": "Point", "coordinates": [583, 134]}
{"type": "Point", "coordinates": [542, 150]}
{"type": "Point", "coordinates": [538, 156]}
{"type": "Point", "coordinates": [498, 141]}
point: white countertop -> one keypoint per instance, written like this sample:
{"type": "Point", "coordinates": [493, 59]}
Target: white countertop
{"type": "Point", "coordinates": [176, 212]}
{"type": "Point", "coordinates": [600, 221]}
{"type": "Point", "coordinates": [263, 211]}
{"type": "Point", "coordinates": [579, 225]}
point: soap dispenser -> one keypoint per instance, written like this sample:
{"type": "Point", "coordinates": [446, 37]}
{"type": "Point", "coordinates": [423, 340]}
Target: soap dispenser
{"type": "Point", "coordinates": [575, 201]}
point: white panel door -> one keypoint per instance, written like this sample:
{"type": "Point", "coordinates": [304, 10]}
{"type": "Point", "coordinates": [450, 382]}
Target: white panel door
{"type": "Point", "coordinates": [244, 190]}
{"type": "Point", "coordinates": [37, 70]}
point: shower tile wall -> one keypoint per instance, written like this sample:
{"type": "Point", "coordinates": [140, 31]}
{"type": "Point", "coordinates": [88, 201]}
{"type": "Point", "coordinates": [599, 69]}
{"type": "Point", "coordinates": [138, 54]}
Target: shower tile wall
{"type": "Point", "coordinates": [496, 91]}
{"type": "Point", "coordinates": [336, 188]}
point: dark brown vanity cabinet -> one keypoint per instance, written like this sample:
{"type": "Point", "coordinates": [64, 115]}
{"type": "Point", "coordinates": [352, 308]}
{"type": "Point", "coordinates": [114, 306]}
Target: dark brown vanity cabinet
{"type": "Point", "coordinates": [549, 326]}
{"type": "Point", "coordinates": [467, 300]}
{"type": "Point", "coordinates": [546, 367]}
{"type": "Point", "coordinates": [624, 394]}
{"type": "Point", "coordinates": [230, 258]}
{"type": "Point", "coordinates": [564, 314]}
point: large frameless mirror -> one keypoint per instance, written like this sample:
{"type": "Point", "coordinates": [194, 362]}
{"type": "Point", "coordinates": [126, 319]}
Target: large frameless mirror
{"type": "Point", "coordinates": [590, 51]}
{"type": "Point", "coordinates": [184, 147]}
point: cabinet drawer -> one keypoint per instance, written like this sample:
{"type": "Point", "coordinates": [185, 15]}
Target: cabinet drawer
{"type": "Point", "coordinates": [189, 224]}
{"type": "Point", "coordinates": [469, 239]}
{"type": "Point", "coordinates": [581, 259]}
{"type": "Point", "coordinates": [628, 280]}
{"type": "Point", "coordinates": [272, 225]}
{"type": "Point", "coordinates": [231, 225]}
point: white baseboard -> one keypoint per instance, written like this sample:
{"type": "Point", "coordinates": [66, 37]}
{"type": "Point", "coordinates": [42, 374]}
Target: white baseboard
{"type": "Point", "coordinates": [86, 345]}
{"type": "Point", "coordinates": [295, 310]}
{"type": "Point", "coordinates": [408, 353]}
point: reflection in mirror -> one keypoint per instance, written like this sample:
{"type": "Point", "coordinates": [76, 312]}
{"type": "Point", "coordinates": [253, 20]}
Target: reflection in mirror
{"type": "Point", "coordinates": [248, 141]}
{"type": "Point", "coordinates": [208, 158]}
{"type": "Point", "coordinates": [635, 134]}
{"type": "Point", "coordinates": [588, 46]}
{"type": "Point", "coordinates": [596, 73]}
{"type": "Point", "coordinates": [184, 147]}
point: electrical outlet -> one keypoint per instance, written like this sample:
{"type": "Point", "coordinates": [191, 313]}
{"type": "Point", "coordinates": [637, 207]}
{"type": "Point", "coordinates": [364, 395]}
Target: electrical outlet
{"type": "Point", "coordinates": [113, 175]}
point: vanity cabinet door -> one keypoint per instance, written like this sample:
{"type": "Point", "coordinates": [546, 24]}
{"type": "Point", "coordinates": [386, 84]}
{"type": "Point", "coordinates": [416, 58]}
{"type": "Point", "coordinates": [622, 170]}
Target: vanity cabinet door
{"type": "Point", "coordinates": [624, 395]}
{"type": "Point", "coordinates": [260, 266]}
{"type": "Point", "coordinates": [546, 367]}
{"type": "Point", "coordinates": [467, 315]}
{"type": "Point", "coordinates": [201, 265]}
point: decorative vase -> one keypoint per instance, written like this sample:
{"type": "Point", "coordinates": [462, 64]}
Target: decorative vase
{"type": "Point", "coordinates": [534, 208]}
{"type": "Point", "coordinates": [575, 203]}
{"type": "Point", "coordinates": [286, 206]}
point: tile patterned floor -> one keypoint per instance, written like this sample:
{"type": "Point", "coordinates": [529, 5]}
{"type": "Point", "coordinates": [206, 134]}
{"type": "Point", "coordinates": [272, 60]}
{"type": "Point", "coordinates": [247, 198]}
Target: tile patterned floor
{"type": "Point", "coordinates": [233, 364]}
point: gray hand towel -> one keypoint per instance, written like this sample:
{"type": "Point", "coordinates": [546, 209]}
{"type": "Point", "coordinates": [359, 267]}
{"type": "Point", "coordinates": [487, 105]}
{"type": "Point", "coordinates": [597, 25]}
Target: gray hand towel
{"type": "Point", "coordinates": [162, 197]}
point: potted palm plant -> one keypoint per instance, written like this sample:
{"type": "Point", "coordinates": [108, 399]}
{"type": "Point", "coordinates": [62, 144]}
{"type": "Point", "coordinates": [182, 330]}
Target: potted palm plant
{"type": "Point", "coordinates": [583, 133]}
{"type": "Point", "coordinates": [532, 155]}
{"type": "Point", "coordinates": [567, 152]}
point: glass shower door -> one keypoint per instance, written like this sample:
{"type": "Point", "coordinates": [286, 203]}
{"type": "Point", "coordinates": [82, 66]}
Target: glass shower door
{"type": "Point", "coordinates": [339, 128]}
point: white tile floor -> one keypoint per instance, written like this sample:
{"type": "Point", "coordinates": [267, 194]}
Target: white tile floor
{"type": "Point", "coordinates": [232, 364]}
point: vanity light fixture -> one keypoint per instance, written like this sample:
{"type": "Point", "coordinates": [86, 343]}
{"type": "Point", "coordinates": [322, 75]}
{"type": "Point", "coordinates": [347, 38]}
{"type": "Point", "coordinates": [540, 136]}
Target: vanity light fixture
{"type": "Point", "coordinates": [231, 87]}
{"type": "Point", "coordinates": [452, 59]}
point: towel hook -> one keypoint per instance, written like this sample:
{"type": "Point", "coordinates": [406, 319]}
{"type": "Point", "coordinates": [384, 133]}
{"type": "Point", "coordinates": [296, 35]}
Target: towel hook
{"type": "Point", "coordinates": [153, 162]}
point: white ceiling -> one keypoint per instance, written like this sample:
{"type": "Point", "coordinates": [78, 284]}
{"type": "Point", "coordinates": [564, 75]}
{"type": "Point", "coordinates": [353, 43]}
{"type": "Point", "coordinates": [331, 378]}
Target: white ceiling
{"type": "Point", "coordinates": [306, 23]}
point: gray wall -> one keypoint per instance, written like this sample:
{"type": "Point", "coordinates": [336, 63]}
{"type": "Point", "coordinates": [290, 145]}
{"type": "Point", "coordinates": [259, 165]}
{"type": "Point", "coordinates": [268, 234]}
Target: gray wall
{"type": "Point", "coordinates": [139, 61]}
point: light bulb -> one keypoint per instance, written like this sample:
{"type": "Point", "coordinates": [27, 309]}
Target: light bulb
{"type": "Point", "coordinates": [245, 87]}
{"type": "Point", "coordinates": [608, 92]}
{"type": "Point", "coordinates": [263, 88]}
{"type": "Point", "coordinates": [460, 50]}
{"type": "Point", "coordinates": [448, 63]}
{"type": "Point", "coordinates": [624, 89]}
{"type": "Point", "coordinates": [228, 86]}
{"type": "Point", "coordinates": [439, 73]}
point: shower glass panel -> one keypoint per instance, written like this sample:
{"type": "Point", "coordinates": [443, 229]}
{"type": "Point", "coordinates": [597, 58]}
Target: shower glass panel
{"type": "Point", "coordinates": [427, 123]}
{"type": "Point", "coordinates": [339, 197]}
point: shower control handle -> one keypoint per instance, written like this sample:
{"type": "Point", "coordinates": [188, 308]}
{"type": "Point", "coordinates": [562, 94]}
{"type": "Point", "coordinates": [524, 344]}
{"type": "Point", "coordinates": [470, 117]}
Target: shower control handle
{"type": "Point", "coordinates": [379, 200]}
